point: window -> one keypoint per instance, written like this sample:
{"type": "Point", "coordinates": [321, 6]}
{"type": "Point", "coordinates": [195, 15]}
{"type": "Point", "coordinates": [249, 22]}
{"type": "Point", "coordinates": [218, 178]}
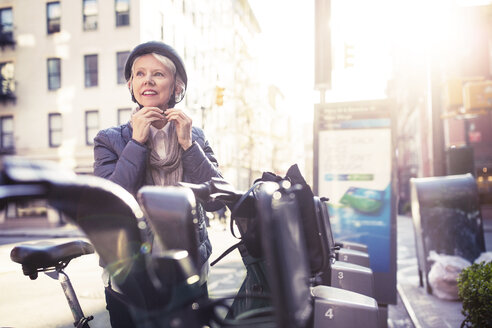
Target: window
{"type": "Point", "coordinates": [124, 115]}
{"type": "Point", "coordinates": [6, 134]}
{"type": "Point", "coordinates": [53, 17]}
{"type": "Point", "coordinates": [90, 66]}
{"type": "Point", "coordinates": [54, 73]}
{"type": "Point", "coordinates": [55, 129]}
{"type": "Point", "coordinates": [90, 14]}
{"type": "Point", "coordinates": [6, 26]}
{"type": "Point", "coordinates": [7, 83]}
{"type": "Point", "coordinates": [122, 9]}
{"type": "Point", "coordinates": [91, 126]}
{"type": "Point", "coordinates": [121, 58]}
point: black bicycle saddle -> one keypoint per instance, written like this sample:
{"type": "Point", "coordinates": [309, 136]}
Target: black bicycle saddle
{"type": "Point", "coordinates": [47, 255]}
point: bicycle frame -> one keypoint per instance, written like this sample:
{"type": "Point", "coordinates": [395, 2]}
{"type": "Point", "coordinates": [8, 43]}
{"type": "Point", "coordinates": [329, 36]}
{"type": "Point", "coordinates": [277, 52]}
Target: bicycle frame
{"type": "Point", "coordinates": [114, 223]}
{"type": "Point", "coordinates": [52, 258]}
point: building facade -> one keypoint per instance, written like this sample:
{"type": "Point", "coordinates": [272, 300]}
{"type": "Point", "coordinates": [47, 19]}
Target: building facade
{"type": "Point", "coordinates": [67, 61]}
{"type": "Point", "coordinates": [438, 134]}
{"type": "Point", "coordinates": [62, 64]}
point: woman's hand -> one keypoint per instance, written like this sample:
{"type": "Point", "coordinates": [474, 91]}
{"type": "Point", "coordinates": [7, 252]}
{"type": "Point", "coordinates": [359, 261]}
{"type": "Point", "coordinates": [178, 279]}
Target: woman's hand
{"type": "Point", "coordinates": [142, 120]}
{"type": "Point", "coordinates": [183, 126]}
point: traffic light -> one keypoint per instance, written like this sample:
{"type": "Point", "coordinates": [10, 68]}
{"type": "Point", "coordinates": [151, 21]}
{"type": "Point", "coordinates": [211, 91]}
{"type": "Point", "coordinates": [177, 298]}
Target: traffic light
{"type": "Point", "coordinates": [219, 96]}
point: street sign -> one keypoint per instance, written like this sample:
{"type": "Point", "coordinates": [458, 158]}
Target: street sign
{"type": "Point", "coordinates": [354, 168]}
{"type": "Point", "coordinates": [477, 95]}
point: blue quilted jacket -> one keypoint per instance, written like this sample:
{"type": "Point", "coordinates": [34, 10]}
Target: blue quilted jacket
{"type": "Point", "coordinates": [124, 161]}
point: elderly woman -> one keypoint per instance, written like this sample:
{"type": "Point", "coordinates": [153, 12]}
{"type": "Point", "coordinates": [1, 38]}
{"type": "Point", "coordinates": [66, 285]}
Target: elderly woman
{"type": "Point", "coordinates": [159, 146]}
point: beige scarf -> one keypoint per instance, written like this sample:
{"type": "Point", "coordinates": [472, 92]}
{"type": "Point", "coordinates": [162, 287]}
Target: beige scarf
{"type": "Point", "coordinates": [166, 171]}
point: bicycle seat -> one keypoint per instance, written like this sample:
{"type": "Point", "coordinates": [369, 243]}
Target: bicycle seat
{"type": "Point", "coordinates": [43, 256]}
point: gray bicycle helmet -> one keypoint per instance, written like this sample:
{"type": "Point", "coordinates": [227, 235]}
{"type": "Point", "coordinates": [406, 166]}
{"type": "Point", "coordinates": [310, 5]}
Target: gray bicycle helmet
{"type": "Point", "coordinates": [162, 49]}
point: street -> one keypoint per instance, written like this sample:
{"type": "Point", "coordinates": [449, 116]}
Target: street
{"type": "Point", "coordinates": [41, 303]}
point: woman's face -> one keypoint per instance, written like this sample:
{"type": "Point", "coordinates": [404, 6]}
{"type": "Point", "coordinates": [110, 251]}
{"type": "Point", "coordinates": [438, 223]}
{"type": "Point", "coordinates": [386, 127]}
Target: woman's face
{"type": "Point", "coordinates": [152, 82]}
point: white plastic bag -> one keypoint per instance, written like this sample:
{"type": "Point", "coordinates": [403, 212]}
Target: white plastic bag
{"type": "Point", "coordinates": [486, 256]}
{"type": "Point", "coordinates": [444, 273]}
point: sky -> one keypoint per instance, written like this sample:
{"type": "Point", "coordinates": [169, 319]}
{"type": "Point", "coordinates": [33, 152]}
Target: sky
{"type": "Point", "coordinates": [287, 49]}
{"type": "Point", "coordinates": [287, 46]}
{"type": "Point", "coordinates": [287, 42]}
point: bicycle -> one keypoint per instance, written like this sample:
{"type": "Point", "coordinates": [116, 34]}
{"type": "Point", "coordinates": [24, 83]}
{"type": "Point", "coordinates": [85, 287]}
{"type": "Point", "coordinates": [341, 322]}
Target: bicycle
{"type": "Point", "coordinates": [168, 293]}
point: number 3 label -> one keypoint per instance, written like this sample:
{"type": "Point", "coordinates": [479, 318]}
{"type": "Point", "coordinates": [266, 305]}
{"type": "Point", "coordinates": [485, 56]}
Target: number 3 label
{"type": "Point", "coordinates": [340, 275]}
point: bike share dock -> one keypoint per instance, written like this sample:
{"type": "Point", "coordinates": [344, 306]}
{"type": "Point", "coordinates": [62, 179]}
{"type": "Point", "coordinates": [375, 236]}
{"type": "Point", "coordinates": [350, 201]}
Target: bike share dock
{"type": "Point", "coordinates": [425, 310]}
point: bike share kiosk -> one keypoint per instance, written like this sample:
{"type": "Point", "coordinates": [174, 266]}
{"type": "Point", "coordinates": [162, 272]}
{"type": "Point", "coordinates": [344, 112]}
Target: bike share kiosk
{"type": "Point", "coordinates": [159, 274]}
{"type": "Point", "coordinates": [297, 304]}
{"type": "Point", "coordinates": [354, 167]}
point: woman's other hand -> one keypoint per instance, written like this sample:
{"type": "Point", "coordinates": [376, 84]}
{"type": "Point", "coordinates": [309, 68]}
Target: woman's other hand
{"type": "Point", "coordinates": [183, 126]}
{"type": "Point", "coordinates": [142, 120]}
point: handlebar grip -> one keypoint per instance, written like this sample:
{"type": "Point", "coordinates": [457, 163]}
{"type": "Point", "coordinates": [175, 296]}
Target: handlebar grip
{"type": "Point", "coordinates": [215, 189]}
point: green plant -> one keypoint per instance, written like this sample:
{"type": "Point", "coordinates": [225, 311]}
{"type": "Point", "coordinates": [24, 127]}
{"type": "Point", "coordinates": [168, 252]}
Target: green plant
{"type": "Point", "coordinates": [475, 291]}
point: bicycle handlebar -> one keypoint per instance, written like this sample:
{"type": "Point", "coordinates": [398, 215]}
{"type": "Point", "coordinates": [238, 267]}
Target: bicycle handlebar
{"type": "Point", "coordinates": [218, 189]}
{"type": "Point", "coordinates": [215, 189]}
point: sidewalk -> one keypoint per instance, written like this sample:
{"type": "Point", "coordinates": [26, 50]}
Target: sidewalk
{"type": "Point", "coordinates": [425, 310]}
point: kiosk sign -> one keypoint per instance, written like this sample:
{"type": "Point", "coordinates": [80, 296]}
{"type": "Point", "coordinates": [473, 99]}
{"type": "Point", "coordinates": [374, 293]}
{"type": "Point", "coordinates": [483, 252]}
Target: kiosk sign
{"type": "Point", "coordinates": [353, 162]}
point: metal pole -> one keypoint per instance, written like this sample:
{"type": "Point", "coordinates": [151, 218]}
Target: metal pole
{"type": "Point", "coordinates": [73, 302]}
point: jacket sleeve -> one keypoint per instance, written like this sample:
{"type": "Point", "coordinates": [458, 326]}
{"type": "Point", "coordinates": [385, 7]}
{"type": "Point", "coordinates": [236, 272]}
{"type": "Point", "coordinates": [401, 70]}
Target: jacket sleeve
{"type": "Point", "coordinates": [200, 165]}
{"type": "Point", "coordinates": [127, 170]}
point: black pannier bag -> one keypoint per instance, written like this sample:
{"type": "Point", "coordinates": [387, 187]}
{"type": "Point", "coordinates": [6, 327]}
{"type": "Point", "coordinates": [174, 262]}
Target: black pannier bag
{"type": "Point", "coordinates": [305, 199]}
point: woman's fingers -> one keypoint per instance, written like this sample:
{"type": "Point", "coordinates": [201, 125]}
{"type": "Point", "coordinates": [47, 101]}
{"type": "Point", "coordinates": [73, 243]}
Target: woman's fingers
{"type": "Point", "coordinates": [178, 115]}
{"type": "Point", "coordinates": [150, 112]}
{"type": "Point", "coordinates": [183, 126]}
{"type": "Point", "coordinates": [142, 120]}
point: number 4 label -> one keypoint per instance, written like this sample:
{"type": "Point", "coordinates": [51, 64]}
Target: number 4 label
{"type": "Point", "coordinates": [329, 313]}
